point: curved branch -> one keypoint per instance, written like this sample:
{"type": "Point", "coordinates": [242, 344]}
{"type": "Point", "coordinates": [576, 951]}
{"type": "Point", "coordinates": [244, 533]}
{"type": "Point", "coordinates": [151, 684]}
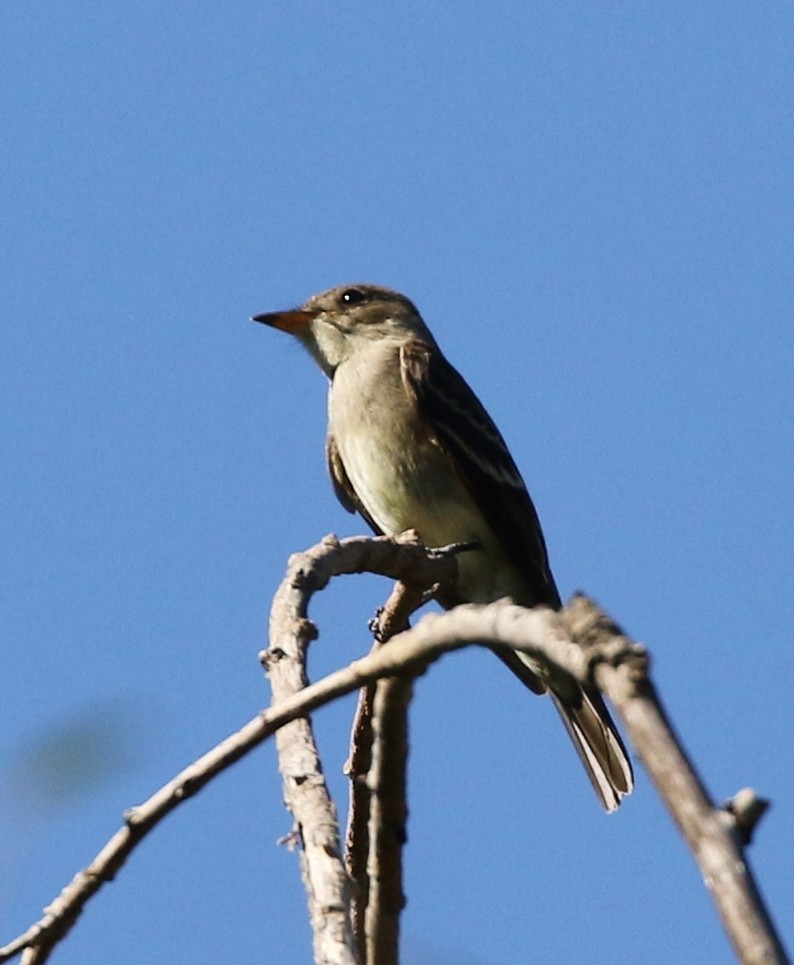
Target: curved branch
{"type": "Point", "coordinates": [579, 640]}
{"type": "Point", "coordinates": [335, 918]}
{"type": "Point", "coordinates": [714, 835]}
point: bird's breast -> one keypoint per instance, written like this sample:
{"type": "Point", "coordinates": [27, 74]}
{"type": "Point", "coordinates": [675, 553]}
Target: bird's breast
{"type": "Point", "coordinates": [398, 472]}
{"type": "Point", "coordinates": [405, 479]}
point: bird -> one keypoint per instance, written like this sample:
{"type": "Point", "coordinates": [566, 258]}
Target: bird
{"type": "Point", "coordinates": [410, 446]}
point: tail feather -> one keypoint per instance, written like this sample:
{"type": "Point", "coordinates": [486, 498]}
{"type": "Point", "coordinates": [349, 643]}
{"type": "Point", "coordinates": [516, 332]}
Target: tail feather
{"type": "Point", "coordinates": [599, 746]}
{"type": "Point", "coordinates": [590, 728]}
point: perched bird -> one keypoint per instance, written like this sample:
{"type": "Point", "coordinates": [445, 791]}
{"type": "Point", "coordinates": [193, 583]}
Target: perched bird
{"type": "Point", "coordinates": [411, 447]}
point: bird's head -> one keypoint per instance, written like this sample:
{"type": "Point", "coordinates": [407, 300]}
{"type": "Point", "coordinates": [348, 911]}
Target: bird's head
{"type": "Point", "coordinates": [337, 322]}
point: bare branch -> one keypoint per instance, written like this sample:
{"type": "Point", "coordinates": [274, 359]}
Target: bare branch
{"type": "Point", "coordinates": [357, 768]}
{"type": "Point", "coordinates": [580, 641]}
{"type": "Point", "coordinates": [393, 618]}
{"type": "Point", "coordinates": [711, 833]}
{"type": "Point", "coordinates": [62, 913]}
{"type": "Point", "coordinates": [388, 817]}
{"type": "Point", "coordinates": [620, 667]}
{"type": "Point", "coordinates": [338, 917]}
{"type": "Point", "coordinates": [403, 557]}
{"type": "Point", "coordinates": [305, 791]}
{"type": "Point", "coordinates": [747, 809]}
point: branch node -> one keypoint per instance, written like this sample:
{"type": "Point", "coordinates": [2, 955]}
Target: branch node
{"type": "Point", "coordinates": [374, 625]}
{"type": "Point", "coordinates": [746, 809]}
{"type": "Point", "coordinates": [306, 629]}
{"type": "Point", "coordinates": [292, 840]}
{"type": "Point", "coordinates": [587, 623]}
{"type": "Point", "coordinates": [603, 643]}
{"type": "Point", "coordinates": [619, 652]}
{"type": "Point", "coordinates": [270, 657]}
{"type": "Point", "coordinates": [304, 578]}
{"type": "Point", "coordinates": [303, 631]}
{"type": "Point", "coordinates": [132, 816]}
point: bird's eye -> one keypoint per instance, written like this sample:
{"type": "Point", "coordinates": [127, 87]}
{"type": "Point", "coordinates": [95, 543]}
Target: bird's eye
{"type": "Point", "coordinates": [353, 296]}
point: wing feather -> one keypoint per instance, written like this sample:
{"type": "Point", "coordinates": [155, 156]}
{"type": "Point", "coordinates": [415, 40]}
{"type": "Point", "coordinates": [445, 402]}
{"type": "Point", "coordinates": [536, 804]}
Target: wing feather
{"type": "Point", "coordinates": [461, 425]}
{"type": "Point", "coordinates": [343, 488]}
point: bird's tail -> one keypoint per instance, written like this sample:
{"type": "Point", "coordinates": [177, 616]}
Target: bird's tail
{"type": "Point", "coordinates": [590, 727]}
{"type": "Point", "coordinates": [598, 745]}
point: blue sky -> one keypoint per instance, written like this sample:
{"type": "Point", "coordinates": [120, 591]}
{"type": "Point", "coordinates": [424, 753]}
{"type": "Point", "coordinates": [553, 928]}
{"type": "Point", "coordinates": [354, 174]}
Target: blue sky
{"type": "Point", "coordinates": [593, 206]}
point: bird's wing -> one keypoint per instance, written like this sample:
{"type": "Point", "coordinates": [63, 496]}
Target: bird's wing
{"type": "Point", "coordinates": [460, 424]}
{"type": "Point", "coordinates": [343, 488]}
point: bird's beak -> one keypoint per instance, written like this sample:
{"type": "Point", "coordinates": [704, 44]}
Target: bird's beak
{"type": "Point", "coordinates": [293, 321]}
